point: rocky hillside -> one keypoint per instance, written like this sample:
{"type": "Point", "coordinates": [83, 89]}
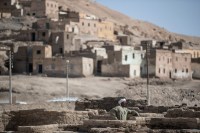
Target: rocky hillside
{"type": "Point", "coordinates": [140, 29]}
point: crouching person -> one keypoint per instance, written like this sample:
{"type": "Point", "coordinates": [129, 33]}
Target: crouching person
{"type": "Point", "coordinates": [120, 112]}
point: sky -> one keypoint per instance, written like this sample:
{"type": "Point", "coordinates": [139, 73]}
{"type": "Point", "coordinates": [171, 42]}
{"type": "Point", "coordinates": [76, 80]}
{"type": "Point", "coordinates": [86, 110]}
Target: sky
{"type": "Point", "coordinates": [179, 16]}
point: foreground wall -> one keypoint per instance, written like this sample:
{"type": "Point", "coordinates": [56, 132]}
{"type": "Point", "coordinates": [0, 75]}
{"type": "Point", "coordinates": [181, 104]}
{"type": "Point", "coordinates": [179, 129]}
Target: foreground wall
{"type": "Point", "coordinates": [12, 120]}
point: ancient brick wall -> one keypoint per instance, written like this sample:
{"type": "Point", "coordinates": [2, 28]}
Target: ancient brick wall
{"type": "Point", "coordinates": [179, 112]}
{"type": "Point", "coordinates": [106, 103]}
{"type": "Point", "coordinates": [12, 120]}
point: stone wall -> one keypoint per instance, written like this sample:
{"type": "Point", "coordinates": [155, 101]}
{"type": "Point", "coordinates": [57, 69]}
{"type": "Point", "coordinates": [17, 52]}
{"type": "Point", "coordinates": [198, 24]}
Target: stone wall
{"type": "Point", "coordinates": [106, 103]}
{"type": "Point", "coordinates": [48, 106]}
{"type": "Point", "coordinates": [189, 113]}
{"type": "Point", "coordinates": [38, 117]}
{"type": "Point", "coordinates": [6, 115]}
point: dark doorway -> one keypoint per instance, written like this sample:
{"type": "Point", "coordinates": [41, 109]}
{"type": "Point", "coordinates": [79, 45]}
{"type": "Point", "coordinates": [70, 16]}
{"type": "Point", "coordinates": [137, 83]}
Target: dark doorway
{"type": "Point", "coordinates": [40, 68]}
{"type": "Point", "coordinates": [30, 68]}
{"type": "Point", "coordinates": [61, 50]}
{"type": "Point", "coordinates": [99, 64]}
{"type": "Point", "coordinates": [33, 36]}
{"type": "Point", "coordinates": [170, 75]}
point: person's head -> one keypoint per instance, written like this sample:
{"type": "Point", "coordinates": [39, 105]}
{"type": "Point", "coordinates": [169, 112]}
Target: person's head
{"type": "Point", "coordinates": [122, 102]}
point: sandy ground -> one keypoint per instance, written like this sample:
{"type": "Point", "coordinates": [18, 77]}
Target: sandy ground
{"type": "Point", "coordinates": [35, 89]}
{"type": "Point", "coordinates": [40, 89]}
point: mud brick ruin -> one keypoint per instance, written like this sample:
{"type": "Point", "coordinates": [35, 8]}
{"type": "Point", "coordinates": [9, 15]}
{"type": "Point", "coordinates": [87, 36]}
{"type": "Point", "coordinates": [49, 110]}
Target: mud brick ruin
{"type": "Point", "coordinates": [92, 116]}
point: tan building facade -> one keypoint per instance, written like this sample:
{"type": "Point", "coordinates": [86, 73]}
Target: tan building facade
{"type": "Point", "coordinates": [169, 64]}
{"type": "Point", "coordinates": [106, 30]}
{"type": "Point", "coordinates": [181, 63]}
{"type": "Point", "coordinates": [88, 26]}
{"type": "Point", "coordinates": [163, 64]}
{"type": "Point", "coordinates": [195, 53]}
{"type": "Point", "coordinates": [77, 67]}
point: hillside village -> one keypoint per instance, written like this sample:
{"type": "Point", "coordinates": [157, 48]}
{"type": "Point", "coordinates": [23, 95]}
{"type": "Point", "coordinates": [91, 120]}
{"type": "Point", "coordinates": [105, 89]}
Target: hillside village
{"type": "Point", "coordinates": [61, 38]}
{"type": "Point", "coordinates": [57, 41]}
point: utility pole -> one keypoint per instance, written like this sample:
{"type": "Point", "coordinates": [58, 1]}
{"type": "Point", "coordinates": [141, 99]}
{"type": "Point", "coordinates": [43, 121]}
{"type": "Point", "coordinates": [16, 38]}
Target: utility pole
{"type": "Point", "coordinates": [147, 61]}
{"type": "Point", "coordinates": [67, 79]}
{"type": "Point", "coordinates": [10, 76]}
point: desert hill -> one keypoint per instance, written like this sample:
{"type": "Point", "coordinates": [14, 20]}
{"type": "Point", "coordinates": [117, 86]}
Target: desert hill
{"type": "Point", "coordinates": [140, 29]}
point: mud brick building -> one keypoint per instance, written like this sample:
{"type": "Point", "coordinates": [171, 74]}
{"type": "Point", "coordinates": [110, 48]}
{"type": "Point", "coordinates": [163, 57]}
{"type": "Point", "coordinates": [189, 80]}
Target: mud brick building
{"type": "Point", "coordinates": [6, 7]}
{"type": "Point", "coordinates": [98, 54]}
{"type": "Point", "coordinates": [181, 63]}
{"type": "Point", "coordinates": [169, 64]}
{"type": "Point", "coordinates": [183, 47]}
{"type": "Point", "coordinates": [124, 61]}
{"type": "Point", "coordinates": [150, 43]}
{"type": "Point", "coordinates": [69, 15]}
{"type": "Point", "coordinates": [106, 30]}
{"type": "Point", "coordinates": [26, 55]}
{"type": "Point", "coordinates": [48, 24]}
{"type": "Point", "coordinates": [44, 8]}
{"type": "Point", "coordinates": [88, 26]}
{"type": "Point", "coordinates": [195, 53]}
{"type": "Point", "coordinates": [38, 59]}
{"type": "Point", "coordinates": [64, 42]}
{"type": "Point", "coordinates": [125, 39]}
{"type": "Point", "coordinates": [163, 64]}
{"type": "Point", "coordinates": [35, 35]}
